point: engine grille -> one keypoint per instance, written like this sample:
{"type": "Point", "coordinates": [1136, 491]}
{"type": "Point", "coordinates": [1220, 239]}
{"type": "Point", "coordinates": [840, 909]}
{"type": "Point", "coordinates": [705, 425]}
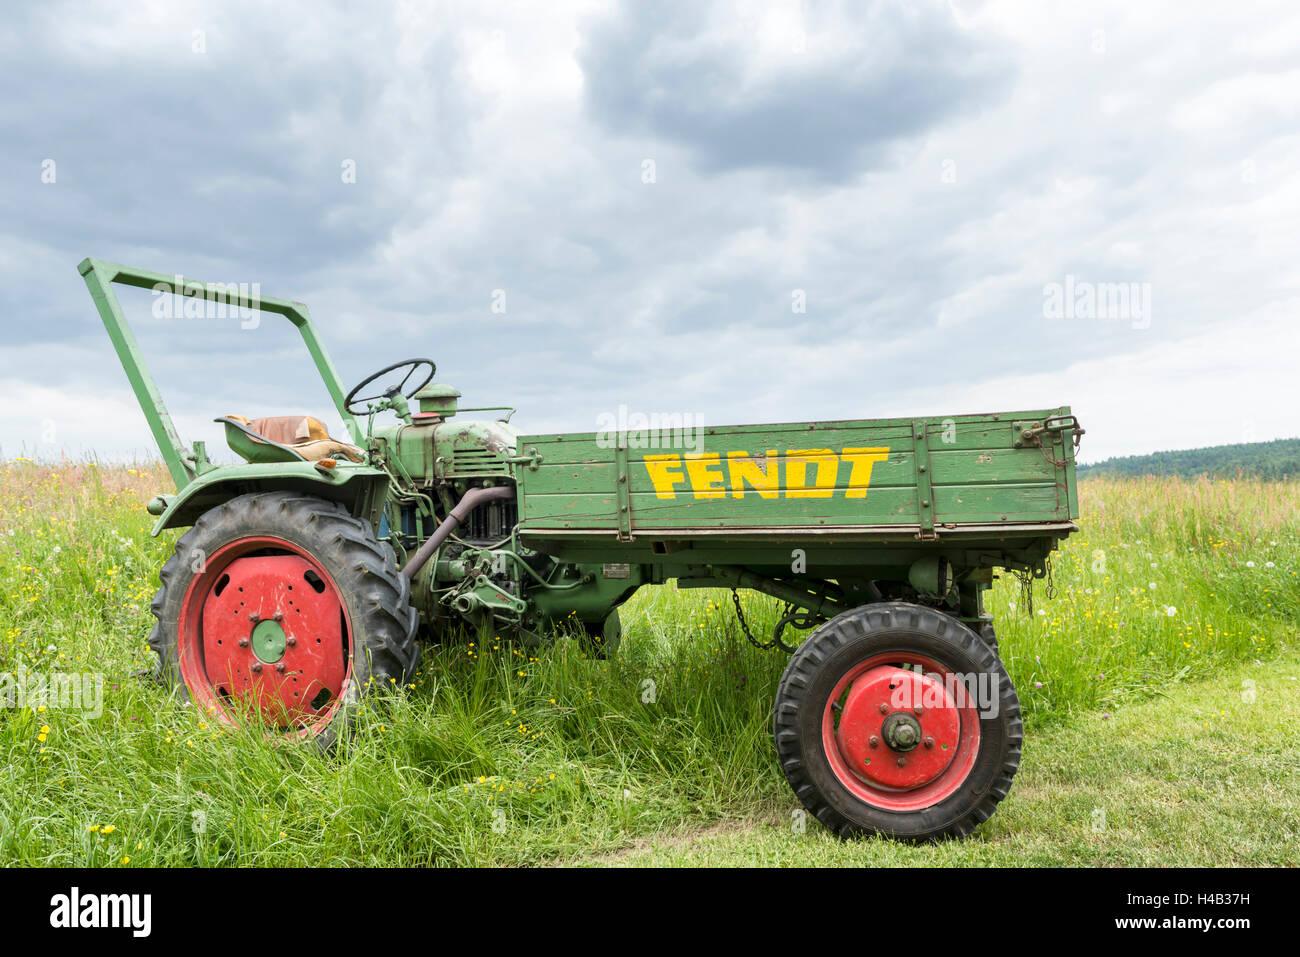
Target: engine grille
{"type": "Point", "coordinates": [477, 462]}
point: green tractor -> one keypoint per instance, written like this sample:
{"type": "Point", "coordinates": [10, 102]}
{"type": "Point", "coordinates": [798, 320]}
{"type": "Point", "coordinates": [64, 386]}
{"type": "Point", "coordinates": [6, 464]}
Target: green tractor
{"type": "Point", "coordinates": [311, 571]}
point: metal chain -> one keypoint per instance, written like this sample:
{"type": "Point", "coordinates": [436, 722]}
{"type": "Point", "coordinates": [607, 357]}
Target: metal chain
{"type": "Point", "coordinates": [1027, 590]}
{"type": "Point", "coordinates": [1045, 449]}
{"type": "Point", "coordinates": [1055, 463]}
{"type": "Point", "coordinates": [1027, 584]}
{"type": "Point", "coordinates": [744, 626]}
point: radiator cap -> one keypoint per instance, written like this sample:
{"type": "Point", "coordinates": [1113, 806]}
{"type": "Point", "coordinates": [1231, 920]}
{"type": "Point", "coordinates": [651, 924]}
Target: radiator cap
{"type": "Point", "coordinates": [439, 399]}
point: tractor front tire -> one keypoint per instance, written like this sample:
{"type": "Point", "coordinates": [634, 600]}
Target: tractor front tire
{"type": "Point", "coordinates": [898, 720]}
{"type": "Point", "coordinates": [281, 607]}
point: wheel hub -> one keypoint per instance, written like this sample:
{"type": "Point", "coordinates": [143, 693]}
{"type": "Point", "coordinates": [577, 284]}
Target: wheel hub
{"type": "Point", "coordinates": [268, 640]}
{"type": "Point", "coordinates": [901, 731]}
{"type": "Point", "coordinates": [898, 729]}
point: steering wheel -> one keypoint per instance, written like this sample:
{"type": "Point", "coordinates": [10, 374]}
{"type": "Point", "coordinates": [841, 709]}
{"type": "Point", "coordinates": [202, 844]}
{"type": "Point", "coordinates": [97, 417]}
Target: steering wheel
{"type": "Point", "coordinates": [355, 405]}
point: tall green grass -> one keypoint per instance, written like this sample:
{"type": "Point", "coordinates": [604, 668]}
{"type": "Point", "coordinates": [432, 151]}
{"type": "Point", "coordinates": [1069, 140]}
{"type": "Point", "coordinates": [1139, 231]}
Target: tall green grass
{"type": "Point", "coordinates": [504, 754]}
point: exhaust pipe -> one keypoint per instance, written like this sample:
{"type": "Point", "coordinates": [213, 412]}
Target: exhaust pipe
{"type": "Point", "coordinates": [469, 501]}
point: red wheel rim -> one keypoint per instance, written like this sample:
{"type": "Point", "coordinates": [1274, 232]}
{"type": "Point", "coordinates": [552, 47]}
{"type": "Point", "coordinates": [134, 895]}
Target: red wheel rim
{"type": "Point", "coordinates": [262, 622]}
{"type": "Point", "coordinates": [876, 699]}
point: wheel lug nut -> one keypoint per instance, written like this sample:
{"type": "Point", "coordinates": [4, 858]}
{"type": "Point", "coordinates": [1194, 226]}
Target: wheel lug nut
{"type": "Point", "coordinates": [257, 667]}
{"type": "Point", "coordinates": [929, 742]}
{"type": "Point", "coordinates": [290, 640]}
{"type": "Point", "coordinates": [874, 741]}
{"type": "Point", "coordinates": [279, 666]}
{"type": "Point", "coordinates": [243, 642]}
{"type": "Point", "coordinates": [917, 710]}
{"type": "Point", "coordinates": [902, 761]}
{"type": "Point", "coordinates": [278, 616]}
{"type": "Point", "coordinates": [252, 616]}
{"type": "Point", "coordinates": [884, 708]}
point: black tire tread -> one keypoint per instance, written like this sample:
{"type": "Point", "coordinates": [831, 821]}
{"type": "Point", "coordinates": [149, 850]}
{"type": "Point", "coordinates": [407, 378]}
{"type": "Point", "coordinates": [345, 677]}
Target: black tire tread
{"type": "Point", "coordinates": [378, 597]}
{"type": "Point", "coordinates": [836, 634]}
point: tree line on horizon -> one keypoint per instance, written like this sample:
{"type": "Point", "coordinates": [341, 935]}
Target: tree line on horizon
{"type": "Point", "coordinates": [1276, 459]}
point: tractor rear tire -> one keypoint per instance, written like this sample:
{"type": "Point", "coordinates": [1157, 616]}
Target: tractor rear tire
{"type": "Point", "coordinates": [871, 745]}
{"type": "Point", "coordinates": [231, 630]}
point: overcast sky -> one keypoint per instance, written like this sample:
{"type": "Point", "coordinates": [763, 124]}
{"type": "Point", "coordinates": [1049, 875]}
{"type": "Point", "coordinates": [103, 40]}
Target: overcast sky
{"type": "Point", "coordinates": [751, 212]}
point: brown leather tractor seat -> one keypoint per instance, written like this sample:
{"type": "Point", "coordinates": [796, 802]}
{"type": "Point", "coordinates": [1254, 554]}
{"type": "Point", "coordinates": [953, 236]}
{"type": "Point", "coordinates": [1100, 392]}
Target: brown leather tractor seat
{"type": "Point", "coordinates": [269, 438]}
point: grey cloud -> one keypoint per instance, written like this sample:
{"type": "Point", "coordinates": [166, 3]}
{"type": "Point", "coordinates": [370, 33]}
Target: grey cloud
{"type": "Point", "coordinates": [223, 164]}
{"type": "Point", "coordinates": [671, 71]}
{"type": "Point", "coordinates": [671, 296]}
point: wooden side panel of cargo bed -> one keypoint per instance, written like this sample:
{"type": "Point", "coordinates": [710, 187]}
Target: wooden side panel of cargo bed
{"type": "Point", "coordinates": [910, 472]}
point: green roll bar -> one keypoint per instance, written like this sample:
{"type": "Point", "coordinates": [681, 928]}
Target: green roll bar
{"type": "Point", "coordinates": [184, 464]}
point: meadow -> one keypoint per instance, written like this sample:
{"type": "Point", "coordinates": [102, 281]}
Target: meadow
{"type": "Point", "coordinates": [1158, 680]}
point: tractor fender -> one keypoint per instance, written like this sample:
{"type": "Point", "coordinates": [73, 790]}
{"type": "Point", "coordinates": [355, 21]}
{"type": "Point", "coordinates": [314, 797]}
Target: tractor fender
{"type": "Point", "coordinates": [362, 490]}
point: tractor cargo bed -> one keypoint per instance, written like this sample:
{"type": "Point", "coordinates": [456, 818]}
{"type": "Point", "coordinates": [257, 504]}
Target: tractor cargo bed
{"type": "Point", "coordinates": [970, 476]}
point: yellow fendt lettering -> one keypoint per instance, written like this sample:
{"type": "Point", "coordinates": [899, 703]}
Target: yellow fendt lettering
{"type": "Point", "coordinates": [827, 465]}
{"type": "Point", "coordinates": [665, 474]}
{"type": "Point", "coordinates": [704, 474]}
{"type": "Point", "coordinates": [765, 479]}
{"type": "Point", "coordinates": [860, 473]}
